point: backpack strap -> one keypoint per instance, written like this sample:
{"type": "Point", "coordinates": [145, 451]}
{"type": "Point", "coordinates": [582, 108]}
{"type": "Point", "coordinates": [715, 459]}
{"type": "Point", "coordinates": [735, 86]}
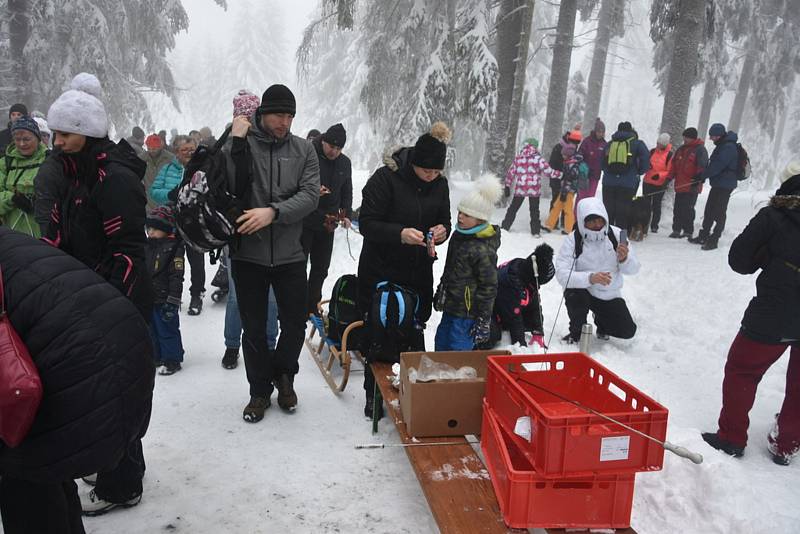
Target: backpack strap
{"type": "Point", "coordinates": [579, 241]}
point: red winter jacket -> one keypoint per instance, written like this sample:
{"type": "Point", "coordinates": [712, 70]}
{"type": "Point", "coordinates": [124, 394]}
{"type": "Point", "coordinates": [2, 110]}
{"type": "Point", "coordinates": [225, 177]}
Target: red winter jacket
{"type": "Point", "coordinates": [660, 160]}
{"type": "Point", "coordinates": [688, 164]}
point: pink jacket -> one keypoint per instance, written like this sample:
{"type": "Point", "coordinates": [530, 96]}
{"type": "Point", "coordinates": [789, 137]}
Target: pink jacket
{"type": "Point", "coordinates": [526, 173]}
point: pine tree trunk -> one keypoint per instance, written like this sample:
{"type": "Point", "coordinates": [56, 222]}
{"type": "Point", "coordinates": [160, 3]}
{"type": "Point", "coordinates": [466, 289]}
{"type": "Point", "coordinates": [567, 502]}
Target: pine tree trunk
{"type": "Point", "coordinates": [508, 30]}
{"type": "Point", "coordinates": [683, 67]}
{"type": "Point", "coordinates": [709, 97]}
{"type": "Point", "coordinates": [594, 87]}
{"type": "Point", "coordinates": [781, 130]}
{"type": "Point", "coordinates": [742, 91]}
{"type": "Point", "coordinates": [606, 103]}
{"type": "Point", "coordinates": [526, 19]}
{"type": "Point", "coordinates": [18, 33]}
{"type": "Point", "coordinates": [559, 73]}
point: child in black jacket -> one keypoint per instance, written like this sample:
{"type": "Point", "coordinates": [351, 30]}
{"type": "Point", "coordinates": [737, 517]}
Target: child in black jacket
{"type": "Point", "coordinates": [165, 262]}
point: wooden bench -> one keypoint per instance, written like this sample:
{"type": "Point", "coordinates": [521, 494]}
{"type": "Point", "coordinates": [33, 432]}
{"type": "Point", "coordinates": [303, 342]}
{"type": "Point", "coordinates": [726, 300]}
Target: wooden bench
{"type": "Point", "coordinates": [453, 477]}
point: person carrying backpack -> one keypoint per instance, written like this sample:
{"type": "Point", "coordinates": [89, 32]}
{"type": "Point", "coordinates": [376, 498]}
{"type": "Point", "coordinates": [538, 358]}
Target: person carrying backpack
{"type": "Point", "coordinates": [590, 266]}
{"type": "Point", "coordinates": [625, 158]}
{"type": "Point", "coordinates": [687, 166]}
{"type": "Point", "coordinates": [576, 173]}
{"type": "Point", "coordinates": [723, 175]}
{"type": "Point", "coordinates": [592, 148]}
{"type": "Point", "coordinates": [655, 180]}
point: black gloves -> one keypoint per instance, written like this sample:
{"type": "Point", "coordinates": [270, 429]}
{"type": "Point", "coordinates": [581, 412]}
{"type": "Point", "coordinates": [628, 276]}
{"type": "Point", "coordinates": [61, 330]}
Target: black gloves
{"type": "Point", "coordinates": [481, 330]}
{"type": "Point", "coordinates": [168, 312]}
{"type": "Point", "coordinates": [22, 202]}
{"type": "Point", "coordinates": [507, 191]}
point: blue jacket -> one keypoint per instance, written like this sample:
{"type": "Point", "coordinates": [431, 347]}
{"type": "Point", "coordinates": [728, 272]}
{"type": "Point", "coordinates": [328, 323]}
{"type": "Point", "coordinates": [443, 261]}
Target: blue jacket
{"type": "Point", "coordinates": [641, 163]}
{"type": "Point", "coordinates": [724, 162]}
{"type": "Point", "coordinates": [168, 178]}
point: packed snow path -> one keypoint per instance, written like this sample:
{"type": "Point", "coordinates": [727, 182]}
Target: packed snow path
{"type": "Point", "coordinates": [210, 472]}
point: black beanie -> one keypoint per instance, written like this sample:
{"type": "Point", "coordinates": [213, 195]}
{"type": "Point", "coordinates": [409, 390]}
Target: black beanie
{"type": "Point", "coordinates": [429, 153]}
{"type": "Point", "coordinates": [336, 135]}
{"type": "Point", "coordinates": [278, 99]}
{"type": "Point", "coordinates": [18, 108]}
{"type": "Point", "coordinates": [690, 133]}
{"type": "Point", "coordinates": [625, 127]}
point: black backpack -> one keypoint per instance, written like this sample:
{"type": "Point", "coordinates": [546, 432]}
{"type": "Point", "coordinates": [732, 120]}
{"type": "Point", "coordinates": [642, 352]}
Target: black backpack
{"type": "Point", "coordinates": [392, 321]}
{"type": "Point", "coordinates": [742, 163]}
{"type": "Point", "coordinates": [579, 242]}
{"type": "Point", "coordinates": [343, 307]}
{"type": "Point", "coordinates": [205, 210]}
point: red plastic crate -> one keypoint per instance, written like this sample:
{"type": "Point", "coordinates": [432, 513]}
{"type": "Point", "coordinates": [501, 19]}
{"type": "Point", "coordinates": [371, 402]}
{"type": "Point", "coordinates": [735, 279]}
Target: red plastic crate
{"type": "Point", "coordinates": [528, 500]}
{"type": "Point", "coordinates": [567, 441]}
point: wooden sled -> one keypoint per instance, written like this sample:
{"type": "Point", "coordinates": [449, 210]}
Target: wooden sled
{"type": "Point", "coordinates": [337, 352]}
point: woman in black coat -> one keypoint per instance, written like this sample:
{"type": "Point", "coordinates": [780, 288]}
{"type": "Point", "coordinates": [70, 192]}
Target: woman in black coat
{"type": "Point", "coordinates": [401, 203]}
{"type": "Point", "coordinates": [94, 356]}
{"type": "Point", "coordinates": [771, 324]}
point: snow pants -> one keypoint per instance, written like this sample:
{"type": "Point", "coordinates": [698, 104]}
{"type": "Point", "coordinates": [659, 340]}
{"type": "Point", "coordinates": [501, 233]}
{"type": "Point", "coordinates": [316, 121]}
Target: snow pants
{"type": "Point", "coordinates": [618, 201]}
{"type": "Point", "coordinates": [610, 316]}
{"type": "Point", "coordinates": [683, 213]}
{"type": "Point", "coordinates": [453, 333]}
{"type": "Point", "coordinates": [654, 195]}
{"type": "Point", "coordinates": [716, 212]}
{"type": "Point", "coordinates": [123, 482]}
{"type": "Point", "coordinates": [748, 360]}
{"type": "Point", "coordinates": [28, 507]}
{"type": "Point", "coordinates": [513, 208]}
{"type": "Point", "coordinates": [318, 247]}
{"type": "Point", "coordinates": [562, 206]}
{"type": "Point", "coordinates": [167, 343]}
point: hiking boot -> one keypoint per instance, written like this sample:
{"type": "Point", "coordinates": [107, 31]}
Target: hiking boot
{"type": "Point", "coordinates": [230, 360]}
{"type": "Point", "coordinates": [97, 506]}
{"type": "Point", "coordinates": [710, 244]}
{"type": "Point", "coordinates": [780, 458]}
{"type": "Point", "coordinates": [699, 240]}
{"type": "Point", "coordinates": [90, 480]}
{"type": "Point", "coordinates": [569, 340]}
{"type": "Point", "coordinates": [546, 230]}
{"type": "Point", "coordinates": [287, 398]}
{"type": "Point", "coordinates": [254, 411]}
{"type": "Point", "coordinates": [686, 235]}
{"type": "Point", "coordinates": [602, 335]}
{"type": "Point", "coordinates": [713, 439]}
{"type": "Point", "coordinates": [196, 305]}
{"type": "Point", "coordinates": [170, 368]}
{"type": "Point", "coordinates": [675, 235]}
{"type": "Point", "coordinates": [368, 408]}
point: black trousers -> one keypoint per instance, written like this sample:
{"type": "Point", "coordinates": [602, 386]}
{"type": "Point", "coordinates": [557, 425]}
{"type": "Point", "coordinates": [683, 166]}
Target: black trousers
{"type": "Point", "coordinates": [123, 482]}
{"type": "Point", "coordinates": [610, 316]}
{"type": "Point", "coordinates": [253, 282]}
{"type": "Point", "coordinates": [513, 208]}
{"type": "Point", "coordinates": [617, 201]}
{"type": "Point", "coordinates": [716, 212]}
{"type": "Point", "coordinates": [683, 213]}
{"type": "Point", "coordinates": [197, 265]}
{"type": "Point", "coordinates": [31, 508]}
{"type": "Point", "coordinates": [654, 195]}
{"type": "Point", "coordinates": [318, 247]}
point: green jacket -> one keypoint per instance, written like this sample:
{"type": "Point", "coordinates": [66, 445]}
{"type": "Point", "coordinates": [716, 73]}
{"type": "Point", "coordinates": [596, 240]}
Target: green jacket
{"type": "Point", "coordinates": [16, 176]}
{"type": "Point", "coordinates": [469, 284]}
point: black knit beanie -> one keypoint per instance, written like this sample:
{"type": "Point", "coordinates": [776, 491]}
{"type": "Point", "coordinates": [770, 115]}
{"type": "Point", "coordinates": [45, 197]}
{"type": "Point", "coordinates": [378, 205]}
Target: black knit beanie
{"type": "Point", "coordinates": [690, 133]}
{"type": "Point", "coordinates": [278, 99]}
{"type": "Point", "coordinates": [17, 108]}
{"type": "Point", "coordinates": [335, 136]}
{"type": "Point", "coordinates": [625, 127]}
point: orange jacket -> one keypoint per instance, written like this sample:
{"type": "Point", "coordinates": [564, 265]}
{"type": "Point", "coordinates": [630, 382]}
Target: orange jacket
{"type": "Point", "coordinates": [660, 163]}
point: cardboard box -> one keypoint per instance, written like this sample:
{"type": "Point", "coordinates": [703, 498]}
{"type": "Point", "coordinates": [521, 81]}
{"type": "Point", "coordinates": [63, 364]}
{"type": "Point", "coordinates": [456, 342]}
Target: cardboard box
{"type": "Point", "coordinates": [448, 407]}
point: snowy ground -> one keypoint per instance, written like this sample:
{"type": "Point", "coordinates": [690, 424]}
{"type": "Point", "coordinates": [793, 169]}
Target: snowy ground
{"type": "Point", "coordinates": [210, 472]}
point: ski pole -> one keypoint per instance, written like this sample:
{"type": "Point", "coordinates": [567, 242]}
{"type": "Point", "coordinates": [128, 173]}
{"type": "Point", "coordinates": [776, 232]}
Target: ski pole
{"type": "Point", "coordinates": [404, 445]}
{"type": "Point", "coordinates": [683, 452]}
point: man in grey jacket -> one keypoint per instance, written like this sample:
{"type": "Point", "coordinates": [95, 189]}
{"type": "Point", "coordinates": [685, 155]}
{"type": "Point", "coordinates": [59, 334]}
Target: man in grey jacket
{"type": "Point", "coordinates": [276, 174]}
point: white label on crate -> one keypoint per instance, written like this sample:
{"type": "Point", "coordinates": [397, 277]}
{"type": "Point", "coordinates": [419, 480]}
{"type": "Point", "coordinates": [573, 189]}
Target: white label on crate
{"type": "Point", "coordinates": [614, 448]}
{"type": "Point", "coordinates": [523, 428]}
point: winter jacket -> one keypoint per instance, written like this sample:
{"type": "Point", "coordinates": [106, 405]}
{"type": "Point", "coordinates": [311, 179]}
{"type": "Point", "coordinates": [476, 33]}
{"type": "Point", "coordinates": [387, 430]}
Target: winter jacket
{"type": "Point", "coordinates": [771, 242]}
{"type": "Point", "coordinates": [593, 150]}
{"type": "Point", "coordinates": [517, 306]}
{"type": "Point", "coordinates": [94, 355]}
{"type": "Point", "coordinates": [598, 255]}
{"type": "Point", "coordinates": [169, 177]}
{"type": "Point", "coordinates": [49, 185]}
{"type": "Point", "coordinates": [572, 174]}
{"type": "Point", "coordinates": [469, 283]}
{"type": "Point", "coordinates": [724, 163]}
{"type": "Point", "coordinates": [639, 162]}
{"type": "Point", "coordinates": [165, 263]}
{"type": "Point", "coordinates": [337, 176]}
{"type": "Point", "coordinates": [556, 160]}
{"type": "Point", "coordinates": [660, 166]}
{"type": "Point", "coordinates": [101, 219]}
{"type": "Point", "coordinates": [154, 165]}
{"type": "Point", "coordinates": [16, 176]}
{"type": "Point", "coordinates": [392, 199]}
{"type": "Point", "coordinates": [687, 166]}
{"type": "Point", "coordinates": [525, 174]}
{"type": "Point", "coordinates": [282, 174]}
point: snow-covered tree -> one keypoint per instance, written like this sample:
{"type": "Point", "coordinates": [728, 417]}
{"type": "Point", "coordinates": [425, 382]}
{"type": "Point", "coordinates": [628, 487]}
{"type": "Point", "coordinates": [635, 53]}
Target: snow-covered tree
{"type": "Point", "coordinates": [559, 72]}
{"type": "Point", "coordinates": [576, 101]}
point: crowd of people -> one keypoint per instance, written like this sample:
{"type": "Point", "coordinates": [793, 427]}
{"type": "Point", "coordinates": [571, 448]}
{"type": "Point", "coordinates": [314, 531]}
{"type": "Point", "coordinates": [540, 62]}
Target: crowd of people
{"type": "Point", "coordinates": [106, 212]}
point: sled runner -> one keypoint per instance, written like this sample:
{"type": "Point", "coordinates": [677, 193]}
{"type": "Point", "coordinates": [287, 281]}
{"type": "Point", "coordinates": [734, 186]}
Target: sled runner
{"type": "Point", "coordinates": [337, 351]}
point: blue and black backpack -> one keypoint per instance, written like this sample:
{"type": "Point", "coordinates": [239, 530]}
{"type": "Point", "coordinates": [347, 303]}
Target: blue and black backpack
{"type": "Point", "coordinates": [392, 321]}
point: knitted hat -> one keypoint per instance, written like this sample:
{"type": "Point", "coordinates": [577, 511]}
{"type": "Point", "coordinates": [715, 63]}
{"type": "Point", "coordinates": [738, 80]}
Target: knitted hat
{"type": "Point", "coordinates": [312, 134]}
{"type": "Point", "coordinates": [43, 128]}
{"type": "Point", "coordinates": [567, 150]}
{"type": "Point", "coordinates": [153, 142]}
{"type": "Point", "coordinates": [575, 136]}
{"type": "Point", "coordinates": [17, 108]}
{"type": "Point", "coordinates": [717, 130]}
{"type": "Point", "coordinates": [161, 218]}
{"type": "Point", "coordinates": [792, 169]}
{"type": "Point", "coordinates": [26, 123]}
{"type": "Point", "coordinates": [336, 135]}
{"type": "Point", "coordinates": [663, 139]}
{"type": "Point", "coordinates": [245, 103]}
{"type": "Point", "coordinates": [543, 256]}
{"type": "Point", "coordinates": [137, 133]}
{"type": "Point", "coordinates": [690, 133]}
{"type": "Point", "coordinates": [79, 110]}
{"type": "Point", "coordinates": [625, 126]}
{"type": "Point", "coordinates": [430, 151]}
{"type": "Point", "coordinates": [532, 141]}
{"type": "Point", "coordinates": [278, 99]}
{"type": "Point", "coordinates": [599, 126]}
{"type": "Point", "coordinates": [481, 201]}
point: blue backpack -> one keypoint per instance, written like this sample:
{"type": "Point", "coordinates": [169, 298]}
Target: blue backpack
{"type": "Point", "coordinates": [392, 321]}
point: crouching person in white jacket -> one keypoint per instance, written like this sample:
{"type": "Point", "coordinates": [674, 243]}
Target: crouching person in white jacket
{"type": "Point", "coordinates": [590, 266]}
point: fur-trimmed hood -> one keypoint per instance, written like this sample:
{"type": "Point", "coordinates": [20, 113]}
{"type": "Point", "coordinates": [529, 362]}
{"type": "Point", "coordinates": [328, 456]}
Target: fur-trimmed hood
{"type": "Point", "coordinates": [788, 202]}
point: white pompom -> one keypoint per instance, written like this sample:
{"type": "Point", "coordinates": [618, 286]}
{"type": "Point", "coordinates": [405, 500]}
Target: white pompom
{"type": "Point", "coordinates": [488, 186]}
{"type": "Point", "coordinates": [88, 83]}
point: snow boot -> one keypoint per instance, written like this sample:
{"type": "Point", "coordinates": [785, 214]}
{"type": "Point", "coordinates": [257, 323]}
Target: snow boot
{"type": "Point", "coordinates": [710, 244]}
{"type": "Point", "coordinates": [675, 235]}
{"type": "Point", "coordinates": [97, 506]}
{"type": "Point", "coordinates": [778, 456]}
{"type": "Point", "coordinates": [230, 360]}
{"type": "Point", "coordinates": [254, 411]}
{"type": "Point", "coordinates": [713, 439]}
{"type": "Point", "coordinates": [287, 398]}
{"type": "Point", "coordinates": [170, 368]}
{"type": "Point", "coordinates": [602, 335]}
{"type": "Point", "coordinates": [569, 340]}
{"type": "Point", "coordinates": [196, 305]}
{"type": "Point", "coordinates": [654, 229]}
{"type": "Point", "coordinates": [699, 240]}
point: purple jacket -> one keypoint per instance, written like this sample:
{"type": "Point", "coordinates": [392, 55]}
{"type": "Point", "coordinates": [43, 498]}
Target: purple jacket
{"type": "Point", "coordinates": [592, 150]}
